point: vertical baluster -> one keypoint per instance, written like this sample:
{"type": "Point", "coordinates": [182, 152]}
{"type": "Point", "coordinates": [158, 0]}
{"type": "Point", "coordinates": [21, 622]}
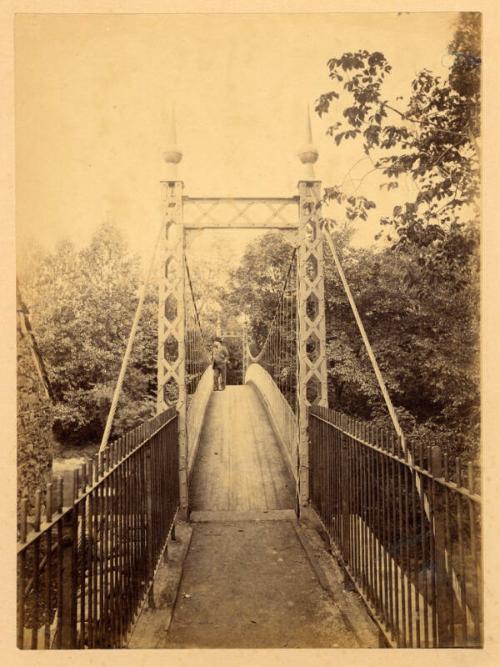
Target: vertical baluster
{"type": "Point", "coordinates": [416, 546]}
{"type": "Point", "coordinates": [48, 567]}
{"type": "Point", "coordinates": [475, 560]}
{"type": "Point", "coordinates": [60, 494]}
{"type": "Point", "coordinates": [385, 534]}
{"type": "Point", "coordinates": [105, 562]}
{"type": "Point", "coordinates": [130, 442]}
{"type": "Point", "coordinates": [461, 554]}
{"type": "Point", "coordinates": [74, 560]}
{"type": "Point", "coordinates": [425, 554]}
{"type": "Point", "coordinates": [111, 565]}
{"type": "Point", "coordinates": [99, 569]}
{"type": "Point", "coordinates": [366, 559]}
{"type": "Point", "coordinates": [409, 548]}
{"type": "Point", "coordinates": [60, 566]}
{"type": "Point", "coordinates": [380, 522]}
{"type": "Point", "coordinates": [109, 546]}
{"type": "Point", "coordinates": [369, 558]}
{"type": "Point", "coordinates": [331, 459]}
{"type": "Point", "coordinates": [36, 573]}
{"type": "Point", "coordinates": [145, 528]}
{"type": "Point", "coordinates": [395, 537]}
{"type": "Point", "coordinates": [90, 559]}
{"type": "Point", "coordinates": [343, 495]}
{"type": "Point", "coordinates": [120, 537]}
{"type": "Point", "coordinates": [83, 558]}
{"type": "Point", "coordinates": [351, 443]}
{"type": "Point", "coordinates": [449, 545]}
{"type": "Point", "coordinates": [393, 534]}
{"type": "Point", "coordinates": [129, 473]}
{"type": "Point", "coordinates": [356, 510]}
{"type": "Point", "coordinates": [432, 551]}
{"type": "Point", "coordinates": [327, 456]}
{"type": "Point", "coordinates": [444, 592]}
{"type": "Point", "coordinates": [137, 528]}
{"type": "Point", "coordinates": [375, 519]}
{"type": "Point", "coordinates": [97, 515]}
{"type": "Point", "coordinates": [119, 588]}
{"type": "Point", "coordinates": [373, 523]}
{"type": "Point", "coordinates": [113, 598]}
{"type": "Point", "coordinates": [121, 543]}
{"type": "Point", "coordinates": [23, 529]}
{"type": "Point", "coordinates": [401, 550]}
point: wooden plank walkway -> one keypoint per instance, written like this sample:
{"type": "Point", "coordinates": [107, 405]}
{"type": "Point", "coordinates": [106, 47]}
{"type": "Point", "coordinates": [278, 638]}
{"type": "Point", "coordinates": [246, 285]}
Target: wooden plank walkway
{"type": "Point", "coordinates": [240, 465]}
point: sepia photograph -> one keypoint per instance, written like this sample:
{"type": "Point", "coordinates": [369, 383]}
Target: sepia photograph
{"type": "Point", "coordinates": [248, 330]}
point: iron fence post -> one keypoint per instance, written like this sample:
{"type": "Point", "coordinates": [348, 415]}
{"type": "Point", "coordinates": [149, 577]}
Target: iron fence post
{"type": "Point", "coordinates": [444, 591]}
{"type": "Point", "coordinates": [344, 500]}
{"type": "Point", "coordinates": [149, 526]}
{"type": "Point", "coordinates": [68, 546]}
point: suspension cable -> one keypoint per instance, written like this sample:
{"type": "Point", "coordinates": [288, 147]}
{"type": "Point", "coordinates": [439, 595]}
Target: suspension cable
{"type": "Point", "coordinates": [128, 350]}
{"type": "Point", "coordinates": [278, 353]}
{"type": "Point", "coordinates": [256, 359]}
{"type": "Point", "coordinates": [197, 355]}
{"type": "Point", "coordinates": [197, 314]}
{"type": "Point", "coordinates": [359, 322]}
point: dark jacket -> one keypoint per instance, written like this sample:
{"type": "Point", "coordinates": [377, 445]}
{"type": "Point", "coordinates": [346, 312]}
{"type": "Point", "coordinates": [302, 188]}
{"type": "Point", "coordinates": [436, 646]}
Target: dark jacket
{"type": "Point", "coordinates": [220, 356]}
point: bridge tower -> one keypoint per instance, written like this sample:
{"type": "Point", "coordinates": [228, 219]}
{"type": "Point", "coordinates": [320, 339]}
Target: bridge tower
{"type": "Point", "coordinates": [311, 334]}
{"type": "Point", "coordinates": [171, 311]}
{"type": "Point", "coordinates": [311, 339]}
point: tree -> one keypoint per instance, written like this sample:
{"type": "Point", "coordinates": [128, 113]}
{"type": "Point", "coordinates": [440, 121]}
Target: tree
{"type": "Point", "coordinates": [419, 297]}
{"type": "Point", "coordinates": [82, 305]}
{"type": "Point", "coordinates": [433, 140]}
{"type": "Point", "coordinates": [425, 344]}
{"type": "Point", "coordinates": [258, 282]}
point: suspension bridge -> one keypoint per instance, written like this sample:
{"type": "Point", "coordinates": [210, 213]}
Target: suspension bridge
{"type": "Point", "coordinates": [247, 472]}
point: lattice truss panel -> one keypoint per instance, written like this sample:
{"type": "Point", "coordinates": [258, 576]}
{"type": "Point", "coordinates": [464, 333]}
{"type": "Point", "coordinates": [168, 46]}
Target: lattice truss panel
{"type": "Point", "coordinates": [240, 212]}
{"type": "Point", "coordinates": [171, 316]}
{"type": "Point", "coordinates": [311, 304]}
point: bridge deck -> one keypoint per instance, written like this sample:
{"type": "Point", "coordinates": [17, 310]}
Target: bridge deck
{"type": "Point", "coordinates": [240, 465]}
{"type": "Point", "coordinates": [247, 579]}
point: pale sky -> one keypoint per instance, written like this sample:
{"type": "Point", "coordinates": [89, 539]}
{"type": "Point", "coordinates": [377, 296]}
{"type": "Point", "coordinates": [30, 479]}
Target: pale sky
{"type": "Point", "coordinates": [92, 92]}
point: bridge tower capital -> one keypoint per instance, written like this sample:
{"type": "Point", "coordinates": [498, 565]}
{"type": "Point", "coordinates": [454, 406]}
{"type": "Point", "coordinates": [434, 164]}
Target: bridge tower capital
{"type": "Point", "coordinates": [312, 388]}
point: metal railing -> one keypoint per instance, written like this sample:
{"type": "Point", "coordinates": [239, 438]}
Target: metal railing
{"type": "Point", "coordinates": [85, 564]}
{"type": "Point", "coordinates": [282, 417]}
{"type": "Point", "coordinates": [407, 533]}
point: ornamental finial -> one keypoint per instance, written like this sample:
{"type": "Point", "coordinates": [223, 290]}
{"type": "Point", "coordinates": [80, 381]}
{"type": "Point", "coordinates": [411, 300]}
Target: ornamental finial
{"type": "Point", "coordinates": [308, 153]}
{"type": "Point", "coordinates": [172, 154]}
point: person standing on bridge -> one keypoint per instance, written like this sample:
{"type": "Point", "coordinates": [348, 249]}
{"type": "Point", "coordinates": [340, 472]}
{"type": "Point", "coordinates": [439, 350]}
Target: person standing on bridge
{"type": "Point", "coordinates": [220, 358]}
